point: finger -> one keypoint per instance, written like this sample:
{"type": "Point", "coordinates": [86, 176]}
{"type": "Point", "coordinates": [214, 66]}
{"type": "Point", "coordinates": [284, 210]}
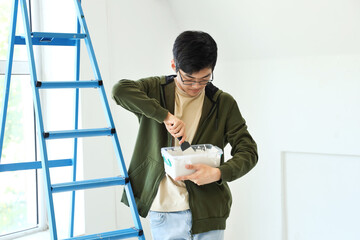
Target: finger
{"type": "Point", "coordinates": [183, 139]}
{"type": "Point", "coordinates": [190, 177]}
{"type": "Point", "coordinates": [183, 178]}
{"type": "Point", "coordinates": [170, 129]}
{"type": "Point", "coordinates": [177, 122]}
{"type": "Point", "coordinates": [180, 138]}
{"type": "Point", "coordinates": [169, 125]}
{"type": "Point", "coordinates": [195, 167]}
{"type": "Point", "coordinates": [171, 132]}
{"type": "Point", "coordinates": [181, 135]}
{"type": "Point", "coordinates": [178, 128]}
{"type": "Point", "coordinates": [199, 183]}
{"type": "Point", "coordinates": [189, 166]}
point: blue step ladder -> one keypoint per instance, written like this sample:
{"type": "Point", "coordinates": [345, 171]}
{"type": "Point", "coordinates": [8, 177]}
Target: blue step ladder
{"type": "Point", "coordinates": [65, 39]}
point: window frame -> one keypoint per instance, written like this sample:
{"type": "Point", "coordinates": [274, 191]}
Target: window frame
{"type": "Point", "coordinates": [21, 67]}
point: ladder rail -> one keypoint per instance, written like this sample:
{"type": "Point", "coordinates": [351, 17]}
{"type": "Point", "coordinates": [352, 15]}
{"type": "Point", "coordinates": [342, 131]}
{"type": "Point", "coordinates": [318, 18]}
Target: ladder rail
{"type": "Point", "coordinates": [8, 73]}
{"type": "Point", "coordinates": [39, 121]}
{"type": "Point", "coordinates": [30, 39]}
{"type": "Point", "coordinates": [76, 126]}
{"type": "Point", "coordinates": [90, 49]}
{"type": "Point", "coordinates": [110, 120]}
{"type": "Point", "coordinates": [108, 115]}
{"type": "Point", "coordinates": [104, 100]}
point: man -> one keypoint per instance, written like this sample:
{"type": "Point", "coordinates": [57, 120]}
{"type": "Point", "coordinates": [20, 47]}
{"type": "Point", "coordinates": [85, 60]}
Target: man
{"type": "Point", "coordinates": [189, 106]}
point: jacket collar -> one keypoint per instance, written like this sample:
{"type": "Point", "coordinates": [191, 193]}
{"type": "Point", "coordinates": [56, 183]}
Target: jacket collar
{"type": "Point", "coordinates": [212, 94]}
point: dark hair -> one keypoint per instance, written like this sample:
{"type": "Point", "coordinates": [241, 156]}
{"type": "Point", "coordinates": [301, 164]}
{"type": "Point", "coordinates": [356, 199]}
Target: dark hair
{"type": "Point", "coordinates": [194, 51]}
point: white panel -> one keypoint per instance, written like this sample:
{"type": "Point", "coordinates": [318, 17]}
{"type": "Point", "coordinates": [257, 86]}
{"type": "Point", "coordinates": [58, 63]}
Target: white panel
{"type": "Point", "coordinates": [321, 196]}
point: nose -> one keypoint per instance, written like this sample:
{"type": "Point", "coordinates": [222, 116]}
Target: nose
{"type": "Point", "coordinates": [197, 85]}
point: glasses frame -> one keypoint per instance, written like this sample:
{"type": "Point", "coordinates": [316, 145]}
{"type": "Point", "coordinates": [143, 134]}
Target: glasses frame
{"type": "Point", "coordinates": [193, 82]}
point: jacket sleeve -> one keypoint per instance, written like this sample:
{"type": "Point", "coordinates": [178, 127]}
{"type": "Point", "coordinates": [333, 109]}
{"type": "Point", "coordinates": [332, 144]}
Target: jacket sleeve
{"type": "Point", "coordinates": [139, 97]}
{"type": "Point", "coordinates": [243, 147]}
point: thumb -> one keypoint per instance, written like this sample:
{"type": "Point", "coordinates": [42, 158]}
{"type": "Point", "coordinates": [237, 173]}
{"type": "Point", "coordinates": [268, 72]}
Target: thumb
{"type": "Point", "coordinates": [192, 166]}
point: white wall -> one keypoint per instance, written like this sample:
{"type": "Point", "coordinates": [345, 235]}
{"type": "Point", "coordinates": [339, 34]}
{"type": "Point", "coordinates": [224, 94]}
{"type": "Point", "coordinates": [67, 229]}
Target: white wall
{"type": "Point", "coordinates": [292, 66]}
{"type": "Point", "coordinates": [131, 40]}
{"type": "Point", "coordinates": [302, 105]}
{"type": "Point", "coordinates": [294, 69]}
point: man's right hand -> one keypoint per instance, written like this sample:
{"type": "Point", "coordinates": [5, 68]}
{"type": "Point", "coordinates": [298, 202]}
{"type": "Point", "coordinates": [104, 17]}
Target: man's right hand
{"type": "Point", "coordinates": [175, 127]}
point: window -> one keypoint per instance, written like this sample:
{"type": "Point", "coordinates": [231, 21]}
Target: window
{"type": "Point", "coordinates": [59, 103]}
{"type": "Point", "coordinates": [18, 189]}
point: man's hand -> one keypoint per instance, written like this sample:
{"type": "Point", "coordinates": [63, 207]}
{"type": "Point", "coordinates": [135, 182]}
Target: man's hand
{"type": "Point", "coordinates": [175, 127]}
{"type": "Point", "coordinates": [204, 174]}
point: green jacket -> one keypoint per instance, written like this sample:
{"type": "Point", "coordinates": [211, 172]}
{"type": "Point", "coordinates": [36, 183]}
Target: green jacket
{"type": "Point", "coordinates": [220, 123]}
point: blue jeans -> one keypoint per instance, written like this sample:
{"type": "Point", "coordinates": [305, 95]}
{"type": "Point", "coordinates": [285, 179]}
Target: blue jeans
{"type": "Point", "coordinates": [177, 225]}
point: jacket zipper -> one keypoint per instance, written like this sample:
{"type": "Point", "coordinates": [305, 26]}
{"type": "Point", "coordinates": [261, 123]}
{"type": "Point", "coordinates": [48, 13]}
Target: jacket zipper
{"type": "Point", "coordinates": [169, 142]}
{"type": "Point", "coordinates": [190, 204]}
{"type": "Point", "coordinates": [186, 184]}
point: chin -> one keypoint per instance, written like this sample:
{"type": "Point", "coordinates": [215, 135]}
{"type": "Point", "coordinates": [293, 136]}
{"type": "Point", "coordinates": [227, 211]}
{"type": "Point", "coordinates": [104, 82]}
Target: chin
{"type": "Point", "coordinates": [193, 93]}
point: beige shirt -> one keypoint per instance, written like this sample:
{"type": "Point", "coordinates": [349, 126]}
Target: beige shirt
{"type": "Point", "coordinates": [172, 195]}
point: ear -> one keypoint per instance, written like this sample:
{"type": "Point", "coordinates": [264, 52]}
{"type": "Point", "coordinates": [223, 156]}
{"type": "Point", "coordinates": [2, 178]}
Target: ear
{"type": "Point", "coordinates": [173, 66]}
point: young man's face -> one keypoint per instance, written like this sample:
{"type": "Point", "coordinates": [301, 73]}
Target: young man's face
{"type": "Point", "coordinates": [194, 83]}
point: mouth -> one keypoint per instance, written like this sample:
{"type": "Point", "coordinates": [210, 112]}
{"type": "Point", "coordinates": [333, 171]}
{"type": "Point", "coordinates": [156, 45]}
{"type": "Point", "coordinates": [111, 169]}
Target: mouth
{"type": "Point", "coordinates": [195, 90]}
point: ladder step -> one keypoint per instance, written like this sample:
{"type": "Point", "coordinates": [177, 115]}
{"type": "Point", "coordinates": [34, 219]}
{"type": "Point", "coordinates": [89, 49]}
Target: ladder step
{"type": "Point", "coordinates": [72, 36]}
{"type": "Point", "coordinates": [79, 133]}
{"type": "Point", "coordinates": [34, 165]}
{"type": "Point", "coordinates": [53, 39]}
{"type": "Point", "coordinates": [86, 184]}
{"type": "Point", "coordinates": [69, 84]}
{"type": "Point", "coordinates": [119, 234]}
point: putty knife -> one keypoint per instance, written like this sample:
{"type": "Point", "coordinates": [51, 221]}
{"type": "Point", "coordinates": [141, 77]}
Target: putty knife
{"type": "Point", "coordinates": [185, 145]}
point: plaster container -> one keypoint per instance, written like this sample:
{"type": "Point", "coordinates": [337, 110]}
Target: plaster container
{"type": "Point", "coordinates": [175, 159]}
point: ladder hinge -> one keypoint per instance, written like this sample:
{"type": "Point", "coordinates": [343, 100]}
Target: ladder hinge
{"type": "Point", "coordinates": [141, 232]}
{"type": "Point", "coordinates": [100, 82]}
{"type": "Point", "coordinates": [82, 16]}
{"type": "Point", "coordinates": [38, 84]}
{"type": "Point", "coordinates": [127, 180]}
{"type": "Point", "coordinates": [46, 134]}
{"type": "Point", "coordinates": [113, 131]}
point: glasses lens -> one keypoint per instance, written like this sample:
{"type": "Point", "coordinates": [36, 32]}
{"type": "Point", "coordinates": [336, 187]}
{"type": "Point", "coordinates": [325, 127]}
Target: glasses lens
{"type": "Point", "coordinates": [191, 82]}
{"type": "Point", "coordinates": [204, 82]}
{"type": "Point", "coordinates": [194, 82]}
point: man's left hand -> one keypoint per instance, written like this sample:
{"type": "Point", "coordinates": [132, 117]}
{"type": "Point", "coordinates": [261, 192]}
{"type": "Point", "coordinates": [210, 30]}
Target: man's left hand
{"type": "Point", "coordinates": [203, 174]}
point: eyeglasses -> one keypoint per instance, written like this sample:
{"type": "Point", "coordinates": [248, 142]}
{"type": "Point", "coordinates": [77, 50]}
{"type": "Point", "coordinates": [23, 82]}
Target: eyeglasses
{"type": "Point", "coordinates": [201, 82]}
